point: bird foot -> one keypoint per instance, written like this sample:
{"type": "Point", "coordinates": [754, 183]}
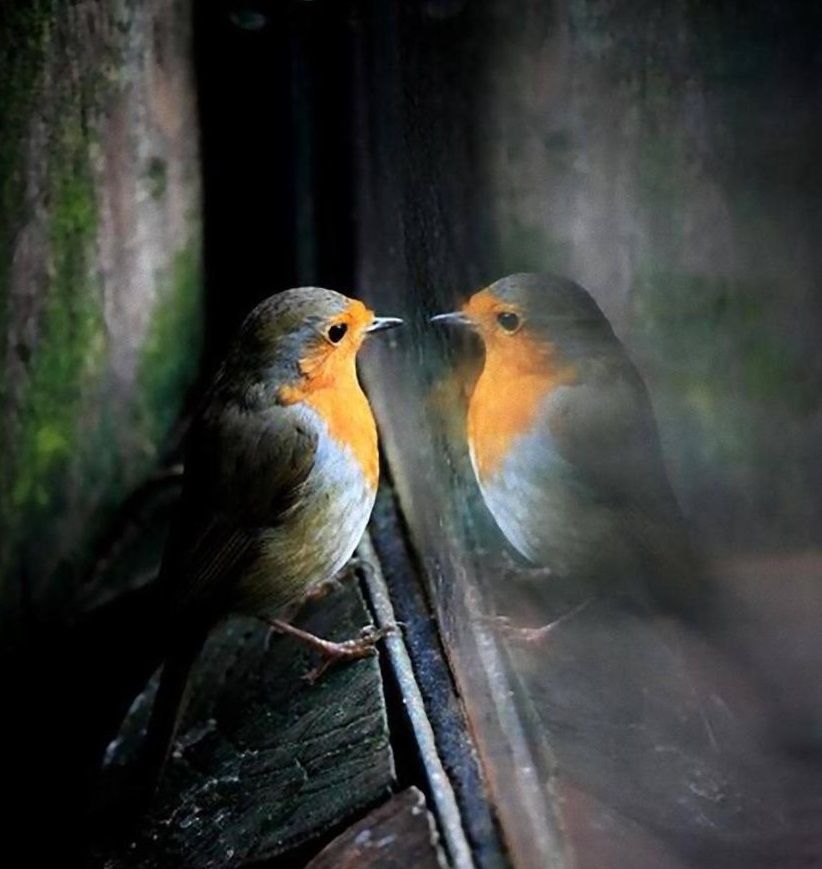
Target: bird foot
{"type": "Point", "coordinates": [505, 628]}
{"type": "Point", "coordinates": [512, 567]}
{"type": "Point", "coordinates": [332, 653]}
{"type": "Point", "coordinates": [322, 590]}
{"type": "Point", "coordinates": [329, 586]}
{"type": "Point", "coordinates": [530, 636]}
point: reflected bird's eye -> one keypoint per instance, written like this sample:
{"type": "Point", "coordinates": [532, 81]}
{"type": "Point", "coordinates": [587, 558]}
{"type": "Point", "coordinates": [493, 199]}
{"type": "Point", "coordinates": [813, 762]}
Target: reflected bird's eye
{"type": "Point", "coordinates": [509, 321]}
{"type": "Point", "coordinates": [336, 332]}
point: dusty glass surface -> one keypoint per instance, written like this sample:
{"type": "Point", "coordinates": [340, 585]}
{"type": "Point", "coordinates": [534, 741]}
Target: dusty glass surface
{"type": "Point", "coordinates": [664, 159]}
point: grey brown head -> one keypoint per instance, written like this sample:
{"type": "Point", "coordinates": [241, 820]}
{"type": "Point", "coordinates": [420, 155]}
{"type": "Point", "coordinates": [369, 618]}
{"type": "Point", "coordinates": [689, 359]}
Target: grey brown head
{"type": "Point", "coordinates": [299, 334]}
{"type": "Point", "coordinates": [538, 308]}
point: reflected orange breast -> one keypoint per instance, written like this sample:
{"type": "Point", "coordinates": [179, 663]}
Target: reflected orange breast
{"type": "Point", "coordinates": [517, 378]}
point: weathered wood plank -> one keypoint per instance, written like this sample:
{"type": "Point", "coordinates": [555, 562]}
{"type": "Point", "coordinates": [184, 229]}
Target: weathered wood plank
{"type": "Point", "coordinates": [399, 834]}
{"type": "Point", "coordinates": [264, 761]}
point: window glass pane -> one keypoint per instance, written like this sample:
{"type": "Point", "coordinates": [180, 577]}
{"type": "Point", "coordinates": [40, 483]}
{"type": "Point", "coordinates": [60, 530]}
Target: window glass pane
{"type": "Point", "coordinates": [662, 159]}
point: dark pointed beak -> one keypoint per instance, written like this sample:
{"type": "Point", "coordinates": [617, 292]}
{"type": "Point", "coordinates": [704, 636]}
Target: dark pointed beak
{"type": "Point", "coordinates": [379, 324]}
{"type": "Point", "coordinates": [455, 318]}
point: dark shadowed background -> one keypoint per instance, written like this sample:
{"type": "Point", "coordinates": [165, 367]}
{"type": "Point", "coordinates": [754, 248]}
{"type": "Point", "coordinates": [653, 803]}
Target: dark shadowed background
{"type": "Point", "coordinates": [165, 165]}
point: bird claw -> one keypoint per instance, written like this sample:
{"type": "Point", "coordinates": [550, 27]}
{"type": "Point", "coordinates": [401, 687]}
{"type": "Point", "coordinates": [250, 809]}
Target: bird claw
{"type": "Point", "coordinates": [367, 632]}
{"type": "Point", "coordinates": [529, 636]}
{"type": "Point", "coordinates": [386, 631]}
{"type": "Point", "coordinates": [504, 627]}
{"type": "Point", "coordinates": [364, 646]}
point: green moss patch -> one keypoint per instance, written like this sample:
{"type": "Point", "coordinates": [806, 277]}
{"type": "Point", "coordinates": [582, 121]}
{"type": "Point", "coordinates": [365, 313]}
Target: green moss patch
{"type": "Point", "coordinates": [170, 354]}
{"type": "Point", "coordinates": [72, 448]}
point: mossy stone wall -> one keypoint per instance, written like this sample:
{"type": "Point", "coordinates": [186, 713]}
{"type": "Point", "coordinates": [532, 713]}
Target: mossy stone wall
{"type": "Point", "coordinates": [100, 279]}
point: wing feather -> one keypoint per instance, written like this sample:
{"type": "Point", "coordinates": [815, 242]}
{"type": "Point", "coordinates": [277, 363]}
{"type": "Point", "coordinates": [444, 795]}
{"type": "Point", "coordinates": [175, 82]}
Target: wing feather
{"type": "Point", "coordinates": [244, 471]}
{"type": "Point", "coordinates": [605, 429]}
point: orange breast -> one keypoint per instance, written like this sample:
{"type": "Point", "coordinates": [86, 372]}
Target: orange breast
{"type": "Point", "coordinates": [342, 404]}
{"type": "Point", "coordinates": [517, 378]}
{"type": "Point", "coordinates": [347, 414]}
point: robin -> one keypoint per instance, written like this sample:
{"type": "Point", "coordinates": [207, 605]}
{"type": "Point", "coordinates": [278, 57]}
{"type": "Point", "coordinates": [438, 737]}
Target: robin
{"type": "Point", "coordinates": [564, 445]}
{"type": "Point", "coordinates": [280, 478]}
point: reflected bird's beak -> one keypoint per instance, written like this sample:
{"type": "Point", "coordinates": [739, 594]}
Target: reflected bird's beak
{"type": "Point", "coordinates": [379, 324]}
{"type": "Point", "coordinates": [455, 318]}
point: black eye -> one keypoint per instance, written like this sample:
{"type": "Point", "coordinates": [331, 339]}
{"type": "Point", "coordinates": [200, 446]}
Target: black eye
{"type": "Point", "coordinates": [336, 332]}
{"type": "Point", "coordinates": [509, 321]}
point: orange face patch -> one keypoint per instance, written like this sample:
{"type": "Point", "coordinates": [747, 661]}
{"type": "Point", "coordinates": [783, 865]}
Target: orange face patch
{"type": "Point", "coordinates": [520, 371]}
{"type": "Point", "coordinates": [331, 387]}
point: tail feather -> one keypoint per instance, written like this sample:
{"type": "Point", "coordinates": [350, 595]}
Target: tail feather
{"type": "Point", "coordinates": [167, 712]}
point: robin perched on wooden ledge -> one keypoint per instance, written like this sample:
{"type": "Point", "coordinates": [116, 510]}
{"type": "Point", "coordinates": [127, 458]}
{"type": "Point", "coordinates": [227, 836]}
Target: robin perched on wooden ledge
{"type": "Point", "coordinates": [280, 479]}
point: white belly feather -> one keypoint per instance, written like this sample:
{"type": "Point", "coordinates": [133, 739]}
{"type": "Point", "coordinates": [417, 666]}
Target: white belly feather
{"type": "Point", "coordinates": [320, 533]}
